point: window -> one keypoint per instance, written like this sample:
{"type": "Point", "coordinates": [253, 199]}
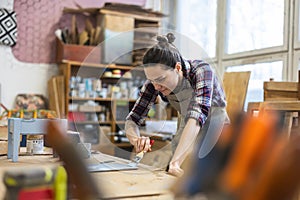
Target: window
{"type": "Point", "coordinates": [254, 25]}
{"type": "Point", "coordinates": [260, 72]}
{"type": "Point", "coordinates": [190, 17]}
{"type": "Point", "coordinates": [246, 35]}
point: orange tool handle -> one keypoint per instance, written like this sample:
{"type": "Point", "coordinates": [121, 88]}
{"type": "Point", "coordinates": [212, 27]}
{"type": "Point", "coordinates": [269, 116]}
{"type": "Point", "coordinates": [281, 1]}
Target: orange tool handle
{"type": "Point", "coordinates": [151, 142]}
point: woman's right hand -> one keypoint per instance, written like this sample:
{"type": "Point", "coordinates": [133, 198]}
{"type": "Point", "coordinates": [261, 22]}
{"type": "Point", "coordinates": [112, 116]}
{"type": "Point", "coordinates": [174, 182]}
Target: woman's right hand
{"type": "Point", "coordinates": [142, 144]}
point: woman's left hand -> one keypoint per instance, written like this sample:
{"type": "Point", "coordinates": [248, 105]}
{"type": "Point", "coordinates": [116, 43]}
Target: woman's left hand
{"type": "Point", "coordinates": [174, 169]}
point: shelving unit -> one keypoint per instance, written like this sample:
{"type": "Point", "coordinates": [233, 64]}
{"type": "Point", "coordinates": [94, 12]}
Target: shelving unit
{"type": "Point", "coordinates": [143, 26]}
{"type": "Point", "coordinates": [111, 104]}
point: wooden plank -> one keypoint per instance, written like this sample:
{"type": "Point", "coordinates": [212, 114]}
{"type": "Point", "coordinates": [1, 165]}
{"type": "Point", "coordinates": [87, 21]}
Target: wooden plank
{"type": "Point", "coordinates": [280, 91]}
{"type": "Point", "coordinates": [253, 107]}
{"type": "Point", "coordinates": [60, 84]}
{"type": "Point", "coordinates": [53, 96]}
{"type": "Point", "coordinates": [138, 17]}
{"type": "Point", "coordinates": [281, 86]}
{"type": "Point", "coordinates": [235, 85]}
{"type": "Point", "coordinates": [288, 106]}
{"type": "Point", "coordinates": [144, 183]}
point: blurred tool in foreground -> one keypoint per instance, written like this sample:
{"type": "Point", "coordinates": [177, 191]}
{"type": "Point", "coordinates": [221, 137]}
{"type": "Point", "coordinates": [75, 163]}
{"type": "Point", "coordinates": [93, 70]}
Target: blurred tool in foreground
{"type": "Point", "coordinates": [253, 159]}
{"type": "Point", "coordinates": [35, 183]}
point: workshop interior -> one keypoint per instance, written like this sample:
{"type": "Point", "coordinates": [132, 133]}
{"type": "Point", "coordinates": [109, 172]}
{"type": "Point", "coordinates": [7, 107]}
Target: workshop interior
{"type": "Point", "coordinates": [91, 108]}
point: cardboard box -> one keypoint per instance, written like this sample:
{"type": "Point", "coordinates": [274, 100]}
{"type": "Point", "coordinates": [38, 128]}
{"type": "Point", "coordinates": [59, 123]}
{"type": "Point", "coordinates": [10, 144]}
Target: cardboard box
{"type": "Point", "coordinates": [117, 30]}
{"type": "Point", "coordinates": [78, 53]}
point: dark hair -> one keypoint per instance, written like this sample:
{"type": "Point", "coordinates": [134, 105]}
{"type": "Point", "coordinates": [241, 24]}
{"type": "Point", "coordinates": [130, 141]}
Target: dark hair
{"type": "Point", "coordinates": [164, 52]}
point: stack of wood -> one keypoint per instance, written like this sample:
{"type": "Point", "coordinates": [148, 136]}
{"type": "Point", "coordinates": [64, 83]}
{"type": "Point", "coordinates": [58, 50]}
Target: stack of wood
{"type": "Point", "coordinates": [56, 92]}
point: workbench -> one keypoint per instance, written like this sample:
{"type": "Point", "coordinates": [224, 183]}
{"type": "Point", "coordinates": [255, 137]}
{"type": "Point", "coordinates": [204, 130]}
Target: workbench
{"type": "Point", "coordinates": [146, 182]}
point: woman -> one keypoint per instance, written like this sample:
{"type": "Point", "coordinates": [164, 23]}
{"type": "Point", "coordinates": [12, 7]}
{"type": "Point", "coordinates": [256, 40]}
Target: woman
{"type": "Point", "coordinates": [191, 87]}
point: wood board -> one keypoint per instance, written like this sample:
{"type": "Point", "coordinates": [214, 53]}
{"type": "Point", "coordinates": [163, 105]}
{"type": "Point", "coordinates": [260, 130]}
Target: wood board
{"type": "Point", "coordinates": [280, 91]}
{"type": "Point", "coordinates": [53, 96]}
{"type": "Point", "coordinates": [56, 93]}
{"type": "Point", "coordinates": [235, 85]}
{"type": "Point", "coordinates": [145, 182]}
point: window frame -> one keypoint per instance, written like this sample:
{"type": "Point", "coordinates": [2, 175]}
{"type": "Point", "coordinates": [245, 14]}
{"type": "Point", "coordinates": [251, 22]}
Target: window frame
{"type": "Point", "coordinates": [296, 26]}
{"type": "Point", "coordinates": [258, 60]}
{"type": "Point", "coordinates": [257, 52]}
{"type": "Point", "coordinates": [288, 52]}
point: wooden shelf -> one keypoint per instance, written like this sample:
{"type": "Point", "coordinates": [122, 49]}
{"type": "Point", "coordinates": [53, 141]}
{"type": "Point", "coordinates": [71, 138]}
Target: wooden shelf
{"type": "Point", "coordinates": [136, 16]}
{"type": "Point", "coordinates": [98, 65]}
{"type": "Point", "coordinates": [100, 99]}
{"type": "Point", "coordinates": [92, 122]}
{"type": "Point", "coordinates": [142, 24]}
{"type": "Point", "coordinates": [90, 98]}
{"type": "Point", "coordinates": [145, 42]}
{"type": "Point", "coordinates": [146, 30]}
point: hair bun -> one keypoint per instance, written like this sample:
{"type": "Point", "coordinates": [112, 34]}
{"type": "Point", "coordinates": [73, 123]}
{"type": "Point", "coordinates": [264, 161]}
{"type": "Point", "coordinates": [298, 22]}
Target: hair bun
{"type": "Point", "coordinates": [171, 37]}
{"type": "Point", "coordinates": [162, 40]}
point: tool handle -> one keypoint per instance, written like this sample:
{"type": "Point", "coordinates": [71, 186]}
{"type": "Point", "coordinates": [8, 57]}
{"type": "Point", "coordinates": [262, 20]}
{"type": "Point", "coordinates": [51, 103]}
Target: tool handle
{"type": "Point", "coordinates": [151, 142]}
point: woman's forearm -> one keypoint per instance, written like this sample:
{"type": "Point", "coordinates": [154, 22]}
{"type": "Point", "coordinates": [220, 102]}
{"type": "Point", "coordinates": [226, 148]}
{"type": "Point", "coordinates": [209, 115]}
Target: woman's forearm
{"type": "Point", "coordinates": [186, 141]}
{"type": "Point", "coordinates": [132, 131]}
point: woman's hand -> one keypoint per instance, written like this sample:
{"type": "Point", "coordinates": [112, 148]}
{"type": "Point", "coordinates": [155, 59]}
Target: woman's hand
{"type": "Point", "coordinates": [174, 169]}
{"type": "Point", "coordinates": [142, 144]}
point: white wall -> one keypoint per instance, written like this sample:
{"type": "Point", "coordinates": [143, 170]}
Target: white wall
{"type": "Point", "coordinates": [18, 77]}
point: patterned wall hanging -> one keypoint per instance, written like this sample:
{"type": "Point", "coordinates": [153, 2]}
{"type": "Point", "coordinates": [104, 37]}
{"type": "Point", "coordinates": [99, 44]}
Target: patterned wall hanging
{"type": "Point", "coordinates": [8, 27]}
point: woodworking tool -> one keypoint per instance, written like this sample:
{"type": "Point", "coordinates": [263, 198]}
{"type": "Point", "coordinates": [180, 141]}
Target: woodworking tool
{"type": "Point", "coordinates": [138, 157]}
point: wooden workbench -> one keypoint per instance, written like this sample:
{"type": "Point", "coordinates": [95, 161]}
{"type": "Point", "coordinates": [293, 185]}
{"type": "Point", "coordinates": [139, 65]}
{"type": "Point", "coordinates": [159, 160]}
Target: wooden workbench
{"type": "Point", "coordinates": [144, 183]}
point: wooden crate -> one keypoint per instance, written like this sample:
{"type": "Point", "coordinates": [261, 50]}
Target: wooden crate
{"type": "Point", "coordinates": [80, 53]}
{"type": "Point", "coordinates": [280, 91]}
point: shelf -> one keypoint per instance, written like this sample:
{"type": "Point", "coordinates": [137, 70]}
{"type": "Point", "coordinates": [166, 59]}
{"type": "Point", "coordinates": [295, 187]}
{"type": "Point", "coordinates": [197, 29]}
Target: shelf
{"type": "Point", "coordinates": [92, 122]}
{"type": "Point", "coordinates": [130, 100]}
{"type": "Point", "coordinates": [98, 65]}
{"type": "Point", "coordinates": [90, 98]}
{"type": "Point", "coordinates": [100, 99]}
{"type": "Point", "coordinates": [136, 16]}
{"type": "Point", "coordinates": [149, 30]}
{"type": "Point", "coordinates": [80, 111]}
{"type": "Point", "coordinates": [116, 78]}
{"type": "Point", "coordinates": [145, 42]}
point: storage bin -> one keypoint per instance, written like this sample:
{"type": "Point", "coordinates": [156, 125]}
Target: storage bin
{"type": "Point", "coordinates": [78, 53]}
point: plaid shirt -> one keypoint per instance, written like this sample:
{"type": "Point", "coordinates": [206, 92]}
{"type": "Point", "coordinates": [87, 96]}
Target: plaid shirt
{"type": "Point", "coordinates": [207, 88]}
